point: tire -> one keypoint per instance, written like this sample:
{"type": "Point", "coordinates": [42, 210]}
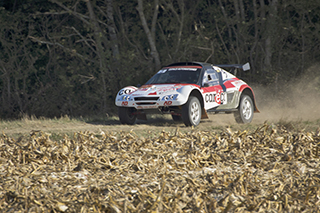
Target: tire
{"type": "Point", "coordinates": [176, 118]}
{"type": "Point", "coordinates": [126, 115]}
{"type": "Point", "coordinates": [245, 110]}
{"type": "Point", "coordinates": [191, 112]}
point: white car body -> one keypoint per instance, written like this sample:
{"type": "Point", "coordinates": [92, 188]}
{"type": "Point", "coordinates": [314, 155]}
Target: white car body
{"type": "Point", "coordinates": [216, 90]}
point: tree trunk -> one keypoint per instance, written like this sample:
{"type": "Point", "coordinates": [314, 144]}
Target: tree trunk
{"type": "Point", "coordinates": [253, 56]}
{"type": "Point", "coordinates": [112, 31]}
{"type": "Point", "coordinates": [237, 10]}
{"type": "Point", "coordinates": [114, 44]}
{"type": "Point", "coordinates": [180, 19]}
{"type": "Point", "coordinates": [270, 34]}
{"type": "Point", "coordinates": [303, 49]}
{"type": "Point", "coordinates": [102, 59]}
{"type": "Point", "coordinates": [230, 29]}
{"type": "Point", "coordinates": [243, 18]}
{"type": "Point", "coordinates": [151, 39]}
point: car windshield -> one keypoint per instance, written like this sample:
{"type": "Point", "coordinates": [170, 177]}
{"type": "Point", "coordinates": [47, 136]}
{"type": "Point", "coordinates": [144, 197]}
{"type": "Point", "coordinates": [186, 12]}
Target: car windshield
{"type": "Point", "coordinates": [176, 75]}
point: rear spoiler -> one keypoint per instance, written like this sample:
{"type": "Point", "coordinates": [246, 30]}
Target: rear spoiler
{"type": "Point", "coordinates": [244, 67]}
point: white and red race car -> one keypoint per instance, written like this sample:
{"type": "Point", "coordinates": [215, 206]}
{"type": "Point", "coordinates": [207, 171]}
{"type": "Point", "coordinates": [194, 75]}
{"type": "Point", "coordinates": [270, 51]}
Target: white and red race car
{"type": "Point", "coordinates": [187, 91]}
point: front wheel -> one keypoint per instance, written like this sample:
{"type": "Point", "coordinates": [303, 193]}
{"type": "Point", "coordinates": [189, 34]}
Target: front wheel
{"type": "Point", "coordinates": [126, 115]}
{"type": "Point", "coordinates": [245, 110]}
{"type": "Point", "coordinates": [191, 112]}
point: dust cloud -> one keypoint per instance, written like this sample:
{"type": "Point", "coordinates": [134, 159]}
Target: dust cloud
{"type": "Point", "coordinates": [294, 100]}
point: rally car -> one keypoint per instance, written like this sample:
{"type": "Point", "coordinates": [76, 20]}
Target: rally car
{"type": "Point", "coordinates": [188, 91]}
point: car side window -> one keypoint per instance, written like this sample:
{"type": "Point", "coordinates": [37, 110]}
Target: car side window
{"type": "Point", "coordinates": [210, 77]}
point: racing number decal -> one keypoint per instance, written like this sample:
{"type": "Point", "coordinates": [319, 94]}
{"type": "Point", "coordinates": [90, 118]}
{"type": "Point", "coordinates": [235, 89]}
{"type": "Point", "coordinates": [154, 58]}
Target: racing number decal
{"type": "Point", "coordinates": [167, 103]}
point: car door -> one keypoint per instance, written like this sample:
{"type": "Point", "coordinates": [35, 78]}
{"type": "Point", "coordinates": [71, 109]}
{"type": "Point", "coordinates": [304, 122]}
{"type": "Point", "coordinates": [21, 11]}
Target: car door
{"type": "Point", "coordinates": [212, 89]}
{"type": "Point", "coordinates": [230, 89]}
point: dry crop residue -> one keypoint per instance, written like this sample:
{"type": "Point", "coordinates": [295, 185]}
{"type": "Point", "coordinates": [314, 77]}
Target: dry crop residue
{"type": "Point", "coordinates": [269, 169]}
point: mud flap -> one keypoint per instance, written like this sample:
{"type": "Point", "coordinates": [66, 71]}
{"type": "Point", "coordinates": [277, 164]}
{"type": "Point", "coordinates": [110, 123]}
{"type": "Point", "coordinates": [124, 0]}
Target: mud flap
{"type": "Point", "coordinates": [255, 107]}
{"type": "Point", "coordinates": [204, 114]}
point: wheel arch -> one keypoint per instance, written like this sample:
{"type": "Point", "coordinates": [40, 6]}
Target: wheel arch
{"type": "Point", "coordinates": [248, 91]}
{"type": "Point", "coordinates": [198, 95]}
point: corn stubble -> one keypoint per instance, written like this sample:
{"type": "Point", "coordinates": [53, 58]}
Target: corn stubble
{"type": "Point", "coordinates": [266, 170]}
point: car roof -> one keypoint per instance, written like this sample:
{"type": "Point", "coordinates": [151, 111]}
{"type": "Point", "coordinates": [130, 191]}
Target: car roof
{"type": "Point", "coordinates": [202, 64]}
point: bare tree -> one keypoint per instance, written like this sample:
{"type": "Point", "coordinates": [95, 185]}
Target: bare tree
{"type": "Point", "coordinates": [180, 20]}
{"type": "Point", "coordinates": [150, 32]}
{"type": "Point", "coordinates": [270, 33]}
{"type": "Point", "coordinates": [102, 59]}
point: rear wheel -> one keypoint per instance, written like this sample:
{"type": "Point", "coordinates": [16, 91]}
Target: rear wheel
{"type": "Point", "coordinates": [191, 112]}
{"type": "Point", "coordinates": [126, 115]}
{"type": "Point", "coordinates": [245, 110]}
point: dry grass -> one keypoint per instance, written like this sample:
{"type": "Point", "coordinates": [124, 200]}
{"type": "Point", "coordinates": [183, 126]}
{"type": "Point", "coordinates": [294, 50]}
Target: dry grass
{"type": "Point", "coordinates": [266, 169]}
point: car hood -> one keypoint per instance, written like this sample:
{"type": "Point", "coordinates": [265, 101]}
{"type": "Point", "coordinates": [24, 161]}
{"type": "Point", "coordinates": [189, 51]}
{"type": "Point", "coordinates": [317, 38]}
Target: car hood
{"type": "Point", "coordinates": [158, 89]}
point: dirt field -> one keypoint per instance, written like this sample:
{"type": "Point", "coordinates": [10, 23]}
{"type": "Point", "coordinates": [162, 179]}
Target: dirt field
{"type": "Point", "coordinates": [154, 126]}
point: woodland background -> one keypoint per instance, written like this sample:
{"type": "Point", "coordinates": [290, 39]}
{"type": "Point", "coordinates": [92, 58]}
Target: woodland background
{"type": "Point", "coordinates": [70, 57]}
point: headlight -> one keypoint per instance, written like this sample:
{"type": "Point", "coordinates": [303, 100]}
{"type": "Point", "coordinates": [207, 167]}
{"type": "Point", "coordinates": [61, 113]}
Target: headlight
{"type": "Point", "coordinates": [126, 98]}
{"type": "Point", "coordinates": [170, 97]}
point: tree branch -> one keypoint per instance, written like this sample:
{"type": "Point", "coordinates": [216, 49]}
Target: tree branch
{"type": "Point", "coordinates": [69, 11]}
{"type": "Point", "coordinates": [80, 16]}
{"type": "Point", "coordinates": [84, 39]}
{"type": "Point", "coordinates": [72, 51]}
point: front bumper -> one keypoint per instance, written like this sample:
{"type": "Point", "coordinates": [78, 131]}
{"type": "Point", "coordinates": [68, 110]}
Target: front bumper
{"type": "Point", "coordinates": [147, 104]}
{"type": "Point", "coordinates": [151, 102]}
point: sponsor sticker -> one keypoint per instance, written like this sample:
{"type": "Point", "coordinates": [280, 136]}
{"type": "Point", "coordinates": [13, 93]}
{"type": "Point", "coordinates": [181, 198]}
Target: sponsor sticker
{"type": "Point", "coordinates": [219, 97]}
{"type": "Point", "coordinates": [237, 83]}
{"type": "Point", "coordinates": [167, 103]}
{"type": "Point", "coordinates": [183, 68]}
{"type": "Point", "coordinates": [209, 97]}
{"type": "Point", "coordinates": [163, 90]}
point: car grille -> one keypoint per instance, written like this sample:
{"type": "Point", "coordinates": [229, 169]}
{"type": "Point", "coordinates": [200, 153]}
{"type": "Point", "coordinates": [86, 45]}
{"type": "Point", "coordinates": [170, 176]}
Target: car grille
{"type": "Point", "coordinates": [146, 103]}
{"type": "Point", "coordinates": [146, 98]}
